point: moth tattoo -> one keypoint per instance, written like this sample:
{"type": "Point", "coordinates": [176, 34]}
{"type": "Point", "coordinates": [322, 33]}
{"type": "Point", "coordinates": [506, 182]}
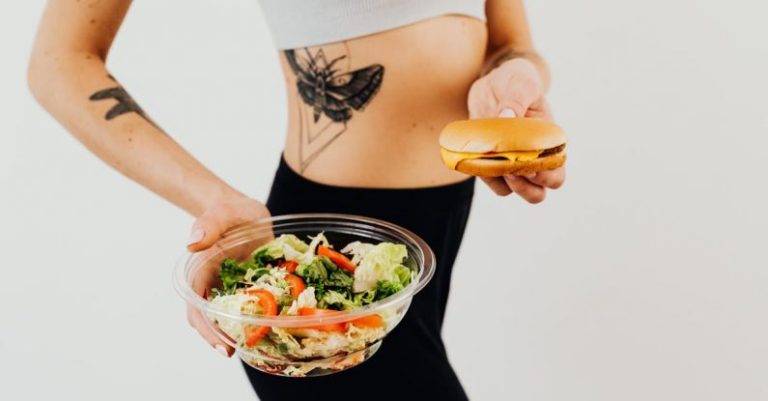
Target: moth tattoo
{"type": "Point", "coordinates": [125, 103]}
{"type": "Point", "coordinates": [329, 93]}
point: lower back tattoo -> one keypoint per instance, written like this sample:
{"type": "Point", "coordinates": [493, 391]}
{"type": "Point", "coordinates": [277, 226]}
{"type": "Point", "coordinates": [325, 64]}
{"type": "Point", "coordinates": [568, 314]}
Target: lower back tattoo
{"type": "Point", "coordinates": [329, 91]}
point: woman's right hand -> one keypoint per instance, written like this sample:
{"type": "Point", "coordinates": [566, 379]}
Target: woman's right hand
{"type": "Point", "coordinates": [208, 229]}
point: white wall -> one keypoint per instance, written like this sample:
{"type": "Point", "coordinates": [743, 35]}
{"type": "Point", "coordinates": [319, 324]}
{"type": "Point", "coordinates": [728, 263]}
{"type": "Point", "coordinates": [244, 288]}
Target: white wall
{"type": "Point", "coordinates": [643, 279]}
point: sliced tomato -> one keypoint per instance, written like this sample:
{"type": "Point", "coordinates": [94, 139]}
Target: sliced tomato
{"type": "Point", "coordinates": [268, 305]}
{"type": "Point", "coordinates": [370, 321]}
{"type": "Point", "coordinates": [337, 258]}
{"type": "Point", "coordinates": [295, 283]}
{"type": "Point", "coordinates": [289, 265]}
{"type": "Point", "coordinates": [267, 301]}
{"type": "Point", "coordinates": [254, 334]}
{"type": "Point", "coordinates": [335, 327]}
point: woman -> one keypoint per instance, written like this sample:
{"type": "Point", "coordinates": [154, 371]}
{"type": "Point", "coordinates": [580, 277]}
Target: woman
{"type": "Point", "coordinates": [370, 85]}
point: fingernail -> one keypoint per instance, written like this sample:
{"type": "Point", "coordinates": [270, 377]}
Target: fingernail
{"type": "Point", "coordinates": [222, 350]}
{"type": "Point", "coordinates": [530, 176]}
{"type": "Point", "coordinates": [507, 113]}
{"type": "Point", "coordinates": [196, 236]}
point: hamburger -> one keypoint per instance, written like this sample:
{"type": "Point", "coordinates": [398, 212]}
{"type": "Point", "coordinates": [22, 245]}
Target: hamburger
{"type": "Point", "coordinates": [493, 147]}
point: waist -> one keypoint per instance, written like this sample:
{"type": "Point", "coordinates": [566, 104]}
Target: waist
{"type": "Point", "coordinates": [368, 112]}
{"type": "Point", "coordinates": [294, 193]}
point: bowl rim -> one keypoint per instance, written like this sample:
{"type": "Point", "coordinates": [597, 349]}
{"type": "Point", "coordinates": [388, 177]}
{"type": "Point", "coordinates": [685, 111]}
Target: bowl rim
{"type": "Point", "coordinates": [423, 277]}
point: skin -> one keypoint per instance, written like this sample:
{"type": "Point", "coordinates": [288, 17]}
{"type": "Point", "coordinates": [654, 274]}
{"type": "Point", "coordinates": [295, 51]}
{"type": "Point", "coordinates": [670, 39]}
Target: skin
{"type": "Point", "coordinates": [488, 70]}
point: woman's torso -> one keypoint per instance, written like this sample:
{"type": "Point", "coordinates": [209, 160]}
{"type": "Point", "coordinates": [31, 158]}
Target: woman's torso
{"type": "Point", "coordinates": [372, 117]}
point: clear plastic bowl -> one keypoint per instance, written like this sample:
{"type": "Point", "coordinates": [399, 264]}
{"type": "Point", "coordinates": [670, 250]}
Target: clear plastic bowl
{"type": "Point", "coordinates": [196, 274]}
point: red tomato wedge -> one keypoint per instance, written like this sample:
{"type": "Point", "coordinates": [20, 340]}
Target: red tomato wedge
{"type": "Point", "coordinates": [267, 301]}
{"type": "Point", "coordinates": [370, 321]}
{"type": "Point", "coordinates": [268, 305]}
{"type": "Point", "coordinates": [254, 334]}
{"type": "Point", "coordinates": [336, 327]}
{"type": "Point", "coordinates": [295, 283]}
{"type": "Point", "coordinates": [337, 258]}
{"type": "Point", "coordinates": [289, 265]}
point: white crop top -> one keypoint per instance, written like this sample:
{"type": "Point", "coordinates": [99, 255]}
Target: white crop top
{"type": "Point", "coordinates": [302, 23]}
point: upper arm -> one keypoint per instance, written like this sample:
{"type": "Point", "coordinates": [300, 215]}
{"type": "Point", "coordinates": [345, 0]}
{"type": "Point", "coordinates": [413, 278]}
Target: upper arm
{"type": "Point", "coordinates": [78, 26]}
{"type": "Point", "coordinates": [507, 26]}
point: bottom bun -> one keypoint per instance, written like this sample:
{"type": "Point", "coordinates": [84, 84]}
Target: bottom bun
{"type": "Point", "coordinates": [497, 168]}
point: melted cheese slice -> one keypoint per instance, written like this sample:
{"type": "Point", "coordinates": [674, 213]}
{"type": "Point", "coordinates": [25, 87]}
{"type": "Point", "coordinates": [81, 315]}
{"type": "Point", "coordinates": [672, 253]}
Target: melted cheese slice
{"type": "Point", "coordinates": [451, 159]}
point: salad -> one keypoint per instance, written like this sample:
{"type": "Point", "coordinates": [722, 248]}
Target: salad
{"type": "Point", "coordinates": [290, 277]}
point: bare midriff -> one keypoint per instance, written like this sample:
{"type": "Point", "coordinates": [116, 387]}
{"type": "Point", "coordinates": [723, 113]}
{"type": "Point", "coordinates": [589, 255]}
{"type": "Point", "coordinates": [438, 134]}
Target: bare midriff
{"type": "Point", "coordinates": [380, 126]}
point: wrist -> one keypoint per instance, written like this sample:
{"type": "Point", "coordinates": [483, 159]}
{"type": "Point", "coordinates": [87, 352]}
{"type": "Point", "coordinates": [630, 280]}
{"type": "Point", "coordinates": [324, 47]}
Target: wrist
{"type": "Point", "coordinates": [214, 196]}
{"type": "Point", "coordinates": [509, 54]}
{"type": "Point", "coordinates": [227, 194]}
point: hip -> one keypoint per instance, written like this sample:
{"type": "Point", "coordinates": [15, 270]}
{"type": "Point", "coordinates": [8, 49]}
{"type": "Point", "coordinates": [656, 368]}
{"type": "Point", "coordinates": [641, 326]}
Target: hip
{"type": "Point", "coordinates": [292, 192]}
{"type": "Point", "coordinates": [414, 350]}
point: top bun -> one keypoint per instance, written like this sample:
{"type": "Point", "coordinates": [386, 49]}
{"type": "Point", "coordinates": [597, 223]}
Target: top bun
{"type": "Point", "coordinates": [501, 135]}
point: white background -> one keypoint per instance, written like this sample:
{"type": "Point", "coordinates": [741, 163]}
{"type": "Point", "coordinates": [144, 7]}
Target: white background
{"type": "Point", "coordinates": [645, 278]}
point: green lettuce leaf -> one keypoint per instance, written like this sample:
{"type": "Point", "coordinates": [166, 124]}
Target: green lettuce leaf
{"type": "Point", "coordinates": [387, 288]}
{"type": "Point", "coordinates": [286, 246]}
{"type": "Point", "coordinates": [382, 263]}
{"type": "Point", "coordinates": [313, 272]}
{"type": "Point", "coordinates": [336, 300]}
{"type": "Point", "coordinates": [325, 276]}
{"type": "Point", "coordinates": [231, 273]}
{"type": "Point", "coordinates": [364, 298]}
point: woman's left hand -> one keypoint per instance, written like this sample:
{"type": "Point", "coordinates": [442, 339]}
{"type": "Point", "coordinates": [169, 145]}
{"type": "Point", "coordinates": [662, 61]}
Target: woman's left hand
{"type": "Point", "coordinates": [515, 89]}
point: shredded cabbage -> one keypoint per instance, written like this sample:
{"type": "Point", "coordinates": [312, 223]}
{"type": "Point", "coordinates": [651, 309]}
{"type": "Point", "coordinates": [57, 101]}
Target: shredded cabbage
{"type": "Point", "coordinates": [232, 304]}
{"type": "Point", "coordinates": [358, 250]}
{"type": "Point", "coordinates": [305, 300]}
{"type": "Point", "coordinates": [309, 254]}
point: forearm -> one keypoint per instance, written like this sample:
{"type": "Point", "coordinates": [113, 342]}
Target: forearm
{"type": "Point", "coordinates": [509, 37]}
{"type": "Point", "coordinates": [77, 90]}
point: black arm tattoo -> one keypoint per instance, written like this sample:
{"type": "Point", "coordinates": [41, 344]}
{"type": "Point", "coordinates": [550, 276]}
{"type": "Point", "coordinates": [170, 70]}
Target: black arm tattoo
{"type": "Point", "coordinates": [329, 94]}
{"type": "Point", "coordinates": [125, 103]}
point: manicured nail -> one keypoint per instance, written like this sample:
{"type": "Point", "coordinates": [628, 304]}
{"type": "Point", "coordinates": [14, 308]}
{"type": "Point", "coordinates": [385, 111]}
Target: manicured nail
{"type": "Point", "coordinates": [196, 236]}
{"type": "Point", "coordinates": [222, 350]}
{"type": "Point", "coordinates": [507, 113]}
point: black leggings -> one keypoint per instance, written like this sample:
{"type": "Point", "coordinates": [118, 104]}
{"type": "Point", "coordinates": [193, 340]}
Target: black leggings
{"type": "Point", "coordinates": [412, 362]}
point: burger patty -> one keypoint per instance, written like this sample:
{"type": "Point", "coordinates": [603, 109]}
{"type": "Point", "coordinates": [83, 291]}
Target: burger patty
{"type": "Point", "coordinates": [552, 151]}
{"type": "Point", "coordinates": [544, 153]}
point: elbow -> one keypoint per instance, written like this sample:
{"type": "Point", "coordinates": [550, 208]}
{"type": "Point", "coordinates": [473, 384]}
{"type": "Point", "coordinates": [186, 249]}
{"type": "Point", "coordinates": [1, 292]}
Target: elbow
{"type": "Point", "coordinates": [39, 72]}
{"type": "Point", "coordinates": [49, 75]}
